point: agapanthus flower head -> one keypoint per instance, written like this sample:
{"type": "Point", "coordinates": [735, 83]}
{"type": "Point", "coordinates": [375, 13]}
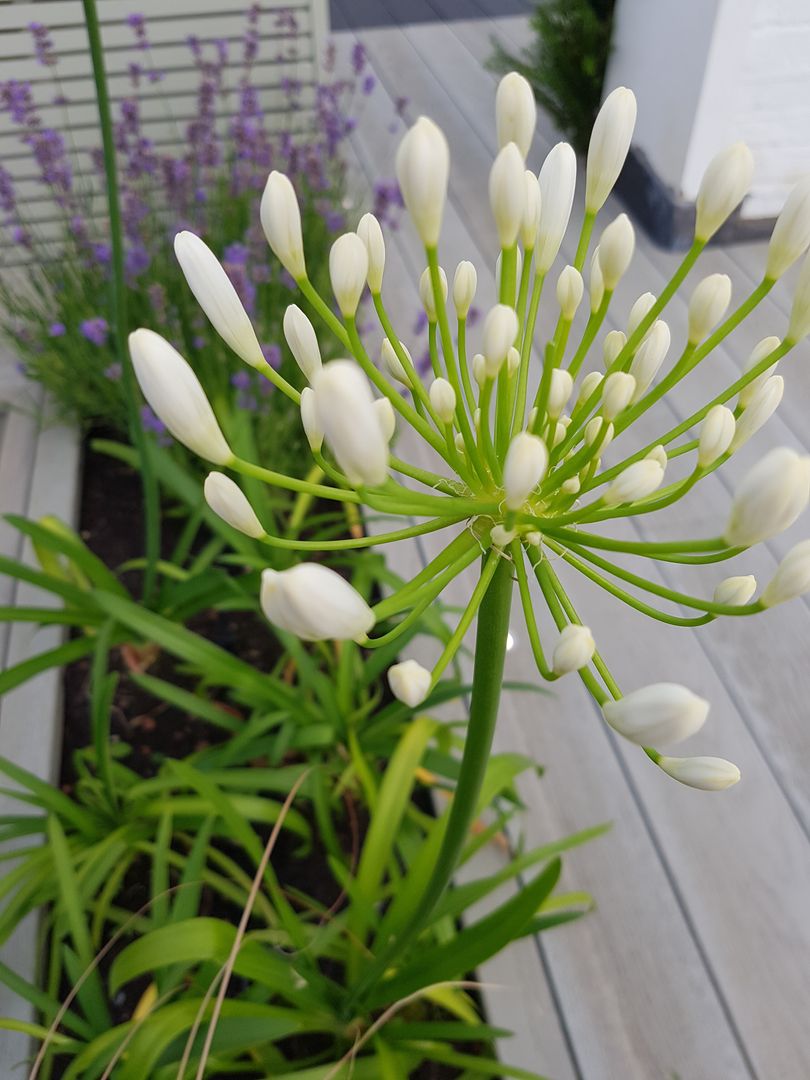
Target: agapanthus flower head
{"type": "Point", "coordinates": [534, 429]}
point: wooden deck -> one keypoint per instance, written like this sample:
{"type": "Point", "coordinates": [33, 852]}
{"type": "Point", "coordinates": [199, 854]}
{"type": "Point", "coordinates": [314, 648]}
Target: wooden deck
{"type": "Point", "coordinates": [696, 961]}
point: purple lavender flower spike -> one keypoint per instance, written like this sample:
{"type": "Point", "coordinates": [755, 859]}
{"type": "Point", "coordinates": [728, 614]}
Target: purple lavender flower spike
{"type": "Point", "coordinates": [95, 330]}
{"type": "Point", "coordinates": [113, 372]}
{"type": "Point", "coordinates": [43, 45]}
{"type": "Point", "coordinates": [56, 329]}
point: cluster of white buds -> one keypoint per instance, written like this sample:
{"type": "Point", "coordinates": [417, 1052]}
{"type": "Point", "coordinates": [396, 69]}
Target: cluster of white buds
{"type": "Point", "coordinates": [521, 476]}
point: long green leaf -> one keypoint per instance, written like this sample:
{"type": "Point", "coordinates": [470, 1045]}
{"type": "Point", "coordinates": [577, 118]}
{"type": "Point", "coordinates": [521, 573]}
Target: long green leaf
{"type": "Point", "coordinates": [57, 536]}
{"type": "Point", "coordinates": [52, 658]}
{"type": "Point", "coordinates": [187, 701]}
{"type": "Point", "coordinates": [48, 797]}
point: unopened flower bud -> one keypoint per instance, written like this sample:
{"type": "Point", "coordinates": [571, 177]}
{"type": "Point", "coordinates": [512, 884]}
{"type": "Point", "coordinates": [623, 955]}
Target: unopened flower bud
{"type": "Point", "coordinates": [559, 433]}
{"type": "Point", "coordinates": [759, 410]}
{"type": "Point", "coordinates": [607, 150]}
{"type": "Point", "coordinates": [616, 246]}
{"type": "Point", "coordinates": [735, 591]}
{"type": "Point", "coordinates": [636, 482]}
{"type": "Point", "coordinates": [515, 112]}
{"type": "Point", "coordinates": [587, 387]}
{"type": "Point", "coordinates": [229, 502]}
{"type": "Point", "coordinates": [534, 538]}
{"type": "Point", "coordinates": [465, 281]}
{"type": "Point", "coordinates": [281, 221]}
{"type": "Point", "coordinates": [716, 434]}
{"type": "Point", "coordinates": [613, 344]}
{"type": "Point", "coordinates": [639, 311]}
{"type": "Point", "coordinates": [315, 603]}
{"type": "Point", "coordinates": [799, 325]}
{"type": "Point", "coordinates": [309, 419]}
{"type": "Point", "coordinates": [571, 486]}
{"type": "Point", "coordinates": [593, 431]}
{"type": "Point", "coordinates": [507, 193]}
{"type": "Point", "coordinates": [792, 577]}
{"type": "Point", "coordinates": [617, 393]}
{"type": "Point", "coordinates": [409, 682]}
{"type": "Point", "coordinates": [658, 714]}
{"type": "Point", "coordinates": [723, 187]}
{"type": "Point", "coordinates": [560, 390]}
{"type": "Point", "coordinates": [443, 400]}
{"type": "Point", "coordinates": [299, 333]}
{"type": "Point", "coordinates": [649, 358]}
{"type": "Point", "coordinates": [532, 208]}
{"type": "Point", "coordinates": [791, 233]}
{"type": "Point", "coordinates": [371, 234]}
{"type": "Point", "coordinates": [217, 297]}
{"type": "Point", "coordinates": [770, 497]}
{"type": "Point", "coordinates": [426, 292]}
{"type": "Point", "coordinates": [392, 363]}
{"type": "Point", "coordinates": [500, 331]}
{"type": "Point", "coordinates": [348, 270]}
{"type": "Point", "coordinates": [387, 417]}
{"type": "Point", "coordinates": [760, 351]}
{"type": "Point", "coordinates": [461, 446]}
{"type": "Point", "coordinates": [346, 414]}
{"type": "Point", "coordinates": [574, 649]}
{"type": "Point", "coordinates": [525, 466]}
{"type": "Point", "coordinates": [705, 773]}
{"type": "Point", "coordinates": [707, 306]}
{"type": "Point", "coordinates": [557, 178]}
{"type": "Point", "coordinates": [596, 283]}
{"type": "Point", "coordinates": [512, 362]}
{"type": "Point", "coordinates": [659, 454]}
{"type": "Point", "coordinates": [479, 368]}
{"type": "Point", "coordinates": [176, 397]}
{"type": "Point", "coordinates": [501, 537]}
{"type": "Point", "coordinates": [570, 289]}
{"type": "Point", "coordinates": [423, 168]}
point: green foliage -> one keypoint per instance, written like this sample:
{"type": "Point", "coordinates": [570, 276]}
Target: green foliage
{"type": "Point", "coordinates": [565, 62]}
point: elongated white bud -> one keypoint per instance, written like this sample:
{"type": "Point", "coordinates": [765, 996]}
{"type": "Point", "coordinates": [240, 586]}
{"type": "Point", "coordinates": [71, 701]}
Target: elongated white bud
{"type": "Point", "coordinates": [607, 150]}
{"type": "Point", "coordinates": [299, 333]}
{"type": "Point", "coordinates": [791, 233]}
{"type": "Point", "coordinates": [716, 433]}
{"type": "Point", "coordinates": [501, 537]}
{"type": "Point", "coordinates": [639, 311]}
{"type": "Point", "coordinates": [649, 358]}
{"type": "Point", "coordinates": [559, 433]}
{"type": "Point", "coordinates": [423, 169]}
{"type": "Point", "coordinates": [617, 393]}
{"type": "Point", "coordinates": [596, 283]}
{"type": "Point", "coordinates": [387, 417]}
{"type": "Point", "coordinates": [799, 325]}
{"type": "Point", "coordinates": [500, 331]}
{"type": "Point", "coordinates": [281, 221]}
{"type": "Point", "coordinates": [616, 246]}
{"type": "Point", "coordinates": [735, 591]}
{"type": "Point", "coordinates": [792, 577]}
{"type": "Point", "coordinates": [613, 344]}
{"type": "Point", "coordinates": [309, 419]}
{"type": "Point", "coordinates": [557, 178]}
{"type": "Point", "coordinates": [512, 362]}
{"type": "Point", "coordinates": [348, 271]}
{"type": "Point", "coordinates": [346, 414]}
{"type": "Point", "coordinates": [465, 282]}
{"type": "Point", "coordinates": [658, 714]}
{"type": "Point", "coordinates": [391, 362]}
{"type": "Point", "coordinates": [315, 603]}
{"type": "Point", "coordinates": [176, 396]}
{"type": "Point", "coordinates": [636, 482]}
{"type": "Point", "coordinates": [443, 400]}
{"type": "Point", "coordinates": [707, 306]}
{"type": "Point", "coordinates": [593, 431]}
{"type": "Point", "coordinates": [532, 208]}
{"type": "Point", "coordinates": [409, 682]}
{"type": "Point", "coordinates": [560, 389]}
{"type": "Point", "coordinates": [570, 290]}
{"type": "Point", "coordinates": [758, 411]}
{"type": "Point", "coordinates": [371, 234]}
{"type": "Point", "coordinates": [525, 466]}
{"type": "Point", "coordinates": [479, 369]}
{"type": "Point", "coordinates": [574, 649]}
{"type": "Point", "coordinates": [507, 193]}
{"type": "Point", "coordinates": [770, 497]}
{"type": "Point", "coordinates": [659, 454]}
{"type": "Point", "coordinates": [587, 387]}
{"type": "Point", "coordinates": [515, 112]}
{"type": "Point", "coordinates": [229, 502]}
{"type": "Point", "coordinates": [760, 351]}
{"type": "Point", "coordinates": [723, 187]}
{"type": "Point", "coordinates": [426, 292]}
{"type": "Point", "coordinates": [705, 773]}
{"type": "Point", "coordinates": [217, 297]}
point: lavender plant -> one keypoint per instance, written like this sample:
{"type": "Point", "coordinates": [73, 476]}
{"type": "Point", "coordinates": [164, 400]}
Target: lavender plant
{"type": "Point", "coordinates": [521, 484]}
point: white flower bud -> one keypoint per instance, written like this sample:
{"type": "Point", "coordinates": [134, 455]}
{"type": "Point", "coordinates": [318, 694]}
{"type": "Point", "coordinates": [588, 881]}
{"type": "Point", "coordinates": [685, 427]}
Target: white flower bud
{"type": "Point", "coordinates": [315, 603]}
{"type": "Point", "coordinates": [616, 246]}
{"type": "Point", "coordinates": [515, 112]}
{"type": "Point", "coordinates": [735, 591]}
{"type": "Point", "coordinates": [426, 292]}
{"type": "Point", "coordinates": [657, 714]}
{"type": "Point", "coordinates": [507, 193]}
{"type": "Point", "coordinates": [299, 333]}
{"type": "Point", "coordinates": [309, 419]}
{"type": "Point", "coordinates": [758, 411]}
{"type": "Point", "coordinates": [229, 502]}
{"type": "Point", "coordinates": [587, 387]}
{"type": "Point", "coordinates": [649, 358]}
{"type": "Point", "coordinates": [387, 417]}
{"type": "Point", "coordinates": [705, 773]}
{"type": "Point", "coordinates": [707, 306]}
{"type": "Point", "coordinates": [391, 362]}
{"type": "Point", "coordinates": [531, 211]}
{"type": "Point", "coordinates": [792, 577]}
{"type": "Point", "coordinates": [559, 433]}
{"type": "Point", "coordinates": [525, 466]}
{"type": "Point", "coordinates": [512, 362]}
{"type": "Point", "coordinates": [443, 400]}
{"type": "Point", "coordinates": [596, 284]}
{"type": "Point", "coordinates": [639, 311]}
{"type": "Point", "coordinates": [534, 538]}
{"type": "Point", "coordinates": [477, 418]}
{"type": "Point", "coordinates": [791, 233]}
{"type": "Point", "coordinates": [723, 187]}
{"type": "Point", "coordinates": [479, 368]}
{"type": "Point", "coordinates": [799, 325]}
{"type": "Point", "coordinates": [659, 454]}
{"type": "Point", "coordinates": [716, 433]}
{"type": "Point", "coordinates": [570, 289]}
{"type": "Point", "coordinates": [574, 649]}
{"type": "Point", "coordinates": [501, 537]}
{"type": "Point", "coordinates": [557, 178]}
{"type": "Point", "coordinates": [500, 331]}
{"type": "Point", "coordinates": [217, 297]}
{"type": "Point", "coordinates": [613, 344]}
{"type": "Point", "coordinates": [607, 150]}
{"type": "Point", "coordinates": [761, 350]}
{"type": "Point", "coordinates": [617, 393]}
{"type": "Point", "coordinates": [176, 397]}
{"type": "Point", "coordinates": [560, 389]}
{"type": "Point", "coordinates": [346, 414]}
{"type": "Point", "coordinates": [498, 264]}
{"type": "Point", "coordinates": [371, 234]}
{"type": "Point", "coordinates": [571, 486]}
{"type": "Point", "coordinates": [593, 430]}
{"type": "Point", "coordinates": [461, 446]}
{"type": "Point", "coordinates": [423, 168]}
{"type": "Point", "coordinates": [409, 682]}
{"type": "Point", "coordinates": [281, 221]}
{"type": "Point", "coordinates": [348, 270]}
{"type": "Point", "coordinates": [465, 282]}
{"type": "Point", "coordinates": [636, 482]}
{"type": "Point", "coordinates": [770, 497]}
